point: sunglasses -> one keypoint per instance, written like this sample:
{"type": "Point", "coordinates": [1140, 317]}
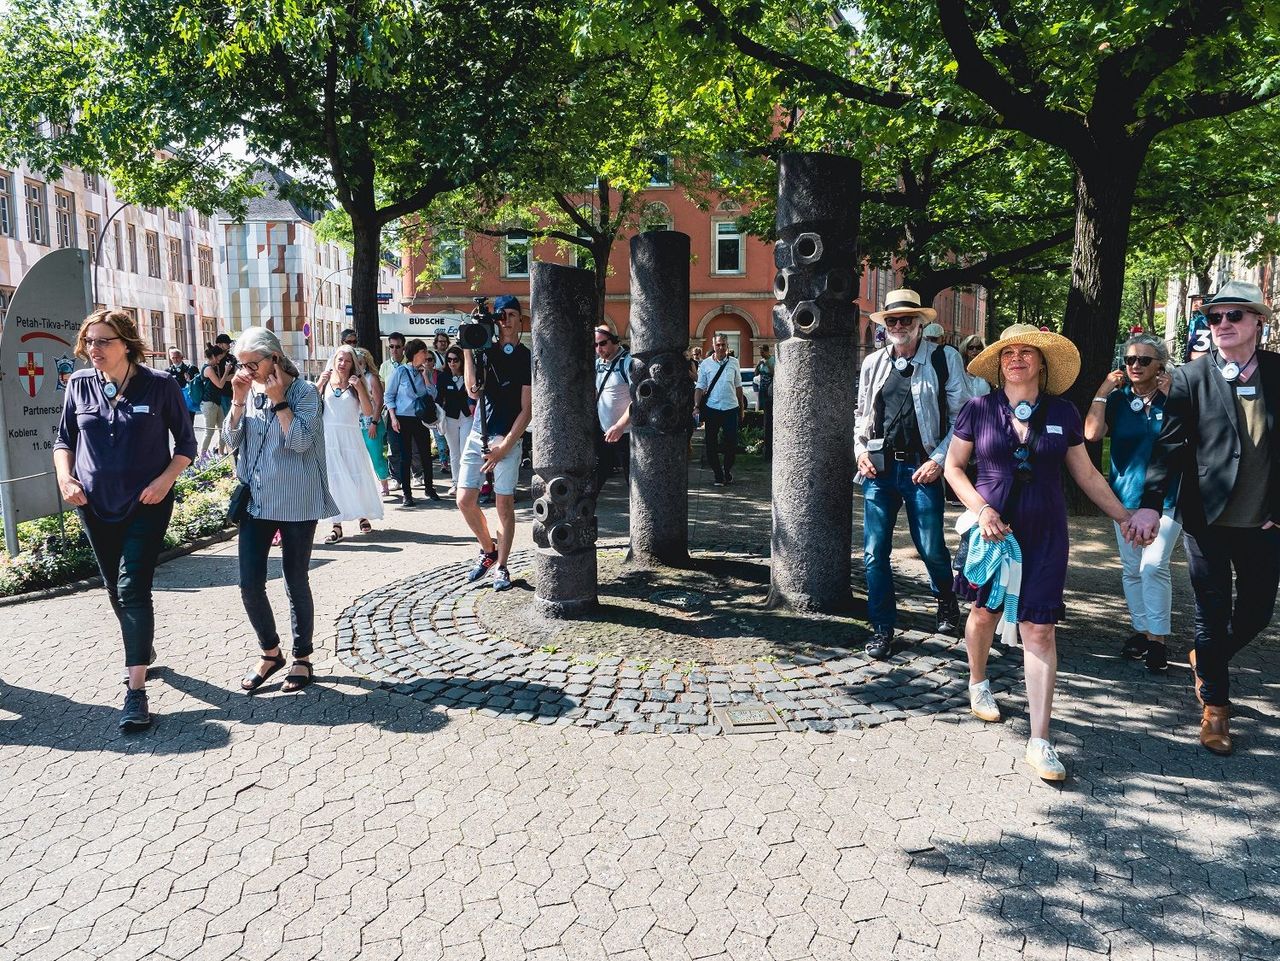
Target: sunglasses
{"type": "Point", "coordinates": [974, 349]}
{"type": "Point", "coordinates": [1234, 316]}
{"type": "Point", "coordinates": [1133, 360]}
{"type": "Point", "coordinates": [900, 320]}
{"type": "Point", "coordinates": [603, 343]}
{"type": "Point", "coordinates": [453, 360]}
{"type": "Point", "coordinates": [1022, 455]}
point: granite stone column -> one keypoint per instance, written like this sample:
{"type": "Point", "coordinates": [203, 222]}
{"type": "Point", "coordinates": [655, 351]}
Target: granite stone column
{"type": "Point", "coordinates": [816, 324]}
{"type": "Point", "coordinates": [563, 303]}
{"type": "Point", "coordinates": [661, 398]}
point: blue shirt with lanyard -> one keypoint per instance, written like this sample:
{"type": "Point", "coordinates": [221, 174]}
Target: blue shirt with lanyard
{"type": "Point", "coordinates": [1133, 423]}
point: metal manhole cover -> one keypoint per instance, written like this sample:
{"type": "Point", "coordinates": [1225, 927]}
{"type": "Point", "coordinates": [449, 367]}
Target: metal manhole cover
{"type": "Point", "coordinates": [681, 600]}
{"type": "Point", "coordinates": [748, 718]}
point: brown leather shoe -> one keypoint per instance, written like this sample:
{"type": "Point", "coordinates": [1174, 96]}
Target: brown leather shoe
{"type": "Point", "coordinates": [1215, 729]}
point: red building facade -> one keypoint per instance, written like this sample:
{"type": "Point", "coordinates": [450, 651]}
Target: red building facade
{"type": "Point", "coordinates": [730, 278]}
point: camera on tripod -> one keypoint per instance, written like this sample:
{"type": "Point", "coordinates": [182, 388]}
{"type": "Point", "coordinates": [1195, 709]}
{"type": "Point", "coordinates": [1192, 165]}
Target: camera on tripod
{"type": "Point", "coordinates": [482, 330]}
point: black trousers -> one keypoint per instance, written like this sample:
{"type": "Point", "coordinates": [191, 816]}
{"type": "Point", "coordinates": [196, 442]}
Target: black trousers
{"type": "Point", "coordinates": [609, 456]}
{"type": "Point", "coordinates": [722, 435]}
{"type": "Point", "coordinates": [1222, 627]}
{"type": "Point", "coordinates": [127, 552]}
{"type": "Point", "coordinates": [415, 436]}
{"type": "Point", "coordinates": [296, 540]}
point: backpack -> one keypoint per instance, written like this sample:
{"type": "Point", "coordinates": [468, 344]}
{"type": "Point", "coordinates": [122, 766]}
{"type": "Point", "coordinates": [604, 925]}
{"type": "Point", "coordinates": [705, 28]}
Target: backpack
{"type": "Point", "coordinates": [197, 390]}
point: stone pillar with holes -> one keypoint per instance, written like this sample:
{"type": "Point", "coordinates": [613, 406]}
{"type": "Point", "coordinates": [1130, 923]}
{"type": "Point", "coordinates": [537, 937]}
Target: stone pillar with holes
{"type": "Point", "coordinates": [661, 398]}
{"type": "Point", "coordinates": [562, 301]}
{"type": "Point", "coordinates": [816, 324]}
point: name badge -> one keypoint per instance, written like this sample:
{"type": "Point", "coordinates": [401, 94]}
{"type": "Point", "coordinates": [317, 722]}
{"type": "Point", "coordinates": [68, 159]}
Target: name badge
{"type": "Point", "coordinates": [1246, 391]}
{"type": "Point", "coordinates": [1052, 429]}
{"type": "Point", "coordinates": [142, 408]}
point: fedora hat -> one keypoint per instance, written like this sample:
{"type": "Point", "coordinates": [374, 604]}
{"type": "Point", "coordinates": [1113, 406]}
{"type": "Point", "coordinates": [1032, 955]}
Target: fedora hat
{"type": "Point", "coordinates": [902, 302]}
{"type": "Point", "coordinates": [1238, 293]}
{"type": "Point", "coordinates": [1061, 359]}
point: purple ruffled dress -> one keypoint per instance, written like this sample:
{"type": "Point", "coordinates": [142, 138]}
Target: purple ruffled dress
{"type": "Point", "coordinates": [1039, 519]}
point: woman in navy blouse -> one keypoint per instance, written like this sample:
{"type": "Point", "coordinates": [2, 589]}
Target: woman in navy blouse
{"type": "Point", "coordinates": [114, 464]}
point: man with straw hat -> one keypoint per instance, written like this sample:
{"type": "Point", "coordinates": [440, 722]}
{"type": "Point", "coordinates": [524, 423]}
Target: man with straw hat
{"type": "Point", "coordinates": [1023, 433]}
{"type": "Point", "coordinates": [908, 396]}
{"type": "Point", "coordinates": [1221, 444]}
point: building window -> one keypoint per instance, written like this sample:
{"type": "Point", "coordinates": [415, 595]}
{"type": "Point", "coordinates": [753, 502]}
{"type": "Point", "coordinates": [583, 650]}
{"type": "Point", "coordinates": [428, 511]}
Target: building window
{"type": "Point", "coordinates": [452, 257]}
{"type": "Point", "coordinates": [6, 298]}
{"type": "Point", "coordinates": [153, 254]}
{"type": "Point", "coordinates": [91, 182]}
{"type": "Point", "coordinates": [515, 255]}
{"type": "Point", "coordinates": [656, 216]}
{"type": "Point", "coordinates": [133, 314]}
{"type": "Point", "coordinates": [176, 272]}
{"type": "Point", "coordinates": [174, 215]}
{"type": "Point", "coordinates": [37, 213]}
{"type": "Point", "coordinates": [65, 212]}
{"type": "Point", "coordinates": [132, 231]}
{"type": "Point", "coordinates": [156, 332]}
{"type": "Point", "coordinates": [728, 248]}
{"type": "Point", "coordinates": [57, 130]}
{"type": "Point", "coordinates": [117, 234]}
{"type": "Point", "coordinates": [205, 257]}
{"type": "Point", "coordinates": [91, 228]}
{"type": "Point", "coordinates": [208, 329]}
{"type": "Point", "coordinates": [660, 174]}
{"type": "Point", "coordinates": [180, 335]}
{"type": "Point", "coordinates": [203, 221]}
{"type": "Point", "coordinates": [6, 203]}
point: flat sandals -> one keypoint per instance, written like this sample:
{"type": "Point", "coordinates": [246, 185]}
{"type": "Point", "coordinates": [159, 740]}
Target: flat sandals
{"type": "Point", "coordinates": [253, 680]}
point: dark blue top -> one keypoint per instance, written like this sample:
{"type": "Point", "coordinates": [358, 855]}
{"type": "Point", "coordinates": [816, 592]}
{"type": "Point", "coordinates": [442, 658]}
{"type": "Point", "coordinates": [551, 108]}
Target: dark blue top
{"type": "Point", "coordinates": [504, 378]}
{"type": "Point", "coordinates": [1133, 433]}
{"type": "Point", "coordinates": [119, 451]}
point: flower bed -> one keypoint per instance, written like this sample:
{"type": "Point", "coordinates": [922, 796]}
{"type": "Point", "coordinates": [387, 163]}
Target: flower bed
{"type": "Point", "coordinates": [50, 559]}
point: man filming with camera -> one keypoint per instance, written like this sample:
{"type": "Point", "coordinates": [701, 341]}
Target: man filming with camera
{"type": "Point", "coordinates": [499, 376]}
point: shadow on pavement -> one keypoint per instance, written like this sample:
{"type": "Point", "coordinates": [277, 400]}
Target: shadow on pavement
{"type": "Point", "coordinates": [522, 700]}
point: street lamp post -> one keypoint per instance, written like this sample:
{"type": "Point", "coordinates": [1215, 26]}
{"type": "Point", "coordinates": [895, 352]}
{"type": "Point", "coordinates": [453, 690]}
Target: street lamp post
{"type": "Point", "coordinates": [97, 257]}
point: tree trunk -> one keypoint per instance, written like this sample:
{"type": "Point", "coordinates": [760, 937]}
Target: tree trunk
{"type": "Point", "coordinates": [1104, 205]}
{"type": "Point", "coordinates": [600, 248]}
{"type": "Point", "coordinates": [367, 238]}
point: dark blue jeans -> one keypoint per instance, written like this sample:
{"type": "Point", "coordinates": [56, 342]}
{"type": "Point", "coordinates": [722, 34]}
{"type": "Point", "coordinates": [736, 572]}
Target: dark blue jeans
{"type": "Point", "coordinates": [127, 552]}
{"type": "Point", "coordinates": [1225, 625]}
{"type": "Point", "coordinates": [882, 496]}
{"type": "Point", "coordinates": [296, 539]}
{"type": "Point", "coordinates": [719, 421]}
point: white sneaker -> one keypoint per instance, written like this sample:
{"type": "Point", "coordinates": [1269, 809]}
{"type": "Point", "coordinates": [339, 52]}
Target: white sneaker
{"type": "Point", "coordinates": [982, 702]}
{"type": "Point", "coordinates": [1042, 757]}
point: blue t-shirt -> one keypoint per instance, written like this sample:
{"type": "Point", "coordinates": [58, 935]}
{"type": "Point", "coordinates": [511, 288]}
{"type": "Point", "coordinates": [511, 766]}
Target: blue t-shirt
{"type": "Point", "coordinates": [1133, 433]}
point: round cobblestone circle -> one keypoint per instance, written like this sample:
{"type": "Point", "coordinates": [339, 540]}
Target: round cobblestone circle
{"type": "Point", "coordinates": [645, 666]}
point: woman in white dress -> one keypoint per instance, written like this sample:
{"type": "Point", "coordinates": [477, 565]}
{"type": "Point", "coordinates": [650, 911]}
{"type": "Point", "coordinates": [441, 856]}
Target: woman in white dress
{"type": "Point", "coordinates": [348, 405]}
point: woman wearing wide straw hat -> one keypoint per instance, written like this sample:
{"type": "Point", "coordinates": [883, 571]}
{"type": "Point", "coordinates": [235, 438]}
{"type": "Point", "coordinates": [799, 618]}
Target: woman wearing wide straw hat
{"type": "Point", "coordinates": [1023, 433]}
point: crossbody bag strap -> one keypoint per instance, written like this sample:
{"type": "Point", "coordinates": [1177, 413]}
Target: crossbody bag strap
{"type": "Point", "coordinates": [716, 379]}
{"type": "Point", "coordinates": [607, 374]}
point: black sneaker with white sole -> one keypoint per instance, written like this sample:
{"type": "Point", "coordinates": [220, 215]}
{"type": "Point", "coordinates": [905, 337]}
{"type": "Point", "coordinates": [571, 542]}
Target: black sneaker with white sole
{"type": "Point", "coordinates": [1135, 646]}
{"type": "Point", "coordinates": [881, 644]}
{"type": "Point", "coordinates": [136, 713]}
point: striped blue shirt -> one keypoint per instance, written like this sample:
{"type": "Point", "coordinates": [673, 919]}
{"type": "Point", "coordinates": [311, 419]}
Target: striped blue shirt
{"type": "Point", "coordinates": [285, 472]}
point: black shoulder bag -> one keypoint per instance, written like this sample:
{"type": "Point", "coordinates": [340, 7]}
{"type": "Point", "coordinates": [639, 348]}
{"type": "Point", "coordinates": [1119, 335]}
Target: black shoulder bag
{"type": "Point", "coordinates": [424, 405]}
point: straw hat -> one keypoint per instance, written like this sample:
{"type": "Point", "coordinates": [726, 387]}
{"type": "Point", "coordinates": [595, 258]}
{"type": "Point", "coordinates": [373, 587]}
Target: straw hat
{"type": "Point", "coordinates": [902, 302]}
{"type": "Point", "coordinates": [1061, 359]}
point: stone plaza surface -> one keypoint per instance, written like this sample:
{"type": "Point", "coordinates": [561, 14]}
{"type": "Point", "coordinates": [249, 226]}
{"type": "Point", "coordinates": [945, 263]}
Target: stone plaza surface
{"type": "Point", "coordinates": [354, 821]}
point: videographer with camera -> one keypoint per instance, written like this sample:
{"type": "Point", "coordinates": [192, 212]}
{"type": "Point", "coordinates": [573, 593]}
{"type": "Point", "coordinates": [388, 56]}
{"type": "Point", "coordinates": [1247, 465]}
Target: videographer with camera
{"type": "Point", "coordinates": [498, 370]}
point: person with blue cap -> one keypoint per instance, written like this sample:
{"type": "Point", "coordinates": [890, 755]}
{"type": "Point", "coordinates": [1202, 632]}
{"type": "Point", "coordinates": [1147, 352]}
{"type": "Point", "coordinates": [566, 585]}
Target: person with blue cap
{"type": "Point", "coordinates": [502, 385]}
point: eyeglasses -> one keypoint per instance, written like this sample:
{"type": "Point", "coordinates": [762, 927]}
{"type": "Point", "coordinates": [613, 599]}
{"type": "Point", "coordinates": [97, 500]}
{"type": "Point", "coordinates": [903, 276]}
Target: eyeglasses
{"type": "Point", "coordinates": [92, 342]}
{"type": "Point", "coordinates": [1022, 456]}
{"type": "Point", "coordinates": [900, 320]}
{"type": "Point", "coordinates": [252, 365]}
{"type": "Point", "coordinates": [1133, 360]}
{"type": "Point", "coordinates": [348, 343]}
{"type": "Point", "coordinates": [1234, 316]}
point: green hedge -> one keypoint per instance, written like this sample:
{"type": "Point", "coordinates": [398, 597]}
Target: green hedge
{"type": "Point", "coordinates": [50, 559]}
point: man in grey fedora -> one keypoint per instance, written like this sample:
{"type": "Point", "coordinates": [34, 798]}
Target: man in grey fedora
{"type": "Point", "coordinates": [1221, 444]}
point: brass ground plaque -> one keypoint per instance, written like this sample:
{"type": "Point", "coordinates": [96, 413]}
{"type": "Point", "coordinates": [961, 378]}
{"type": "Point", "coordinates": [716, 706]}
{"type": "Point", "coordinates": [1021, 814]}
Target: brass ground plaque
{"type": "Point", "coordinates": [750, 717]}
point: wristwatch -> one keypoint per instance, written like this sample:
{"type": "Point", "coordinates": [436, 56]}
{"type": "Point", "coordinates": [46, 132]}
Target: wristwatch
{"type": "Point", "coordinates": [283, 405]}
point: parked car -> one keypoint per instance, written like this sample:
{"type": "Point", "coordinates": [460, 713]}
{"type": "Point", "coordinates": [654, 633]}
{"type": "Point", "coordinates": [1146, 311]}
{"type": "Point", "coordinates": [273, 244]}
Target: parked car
{"type": "Point", "coordinates": [749, 390]}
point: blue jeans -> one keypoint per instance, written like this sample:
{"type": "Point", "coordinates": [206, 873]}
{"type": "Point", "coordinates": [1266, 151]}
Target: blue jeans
{"type": "Point", "coordinates": [881, 498]}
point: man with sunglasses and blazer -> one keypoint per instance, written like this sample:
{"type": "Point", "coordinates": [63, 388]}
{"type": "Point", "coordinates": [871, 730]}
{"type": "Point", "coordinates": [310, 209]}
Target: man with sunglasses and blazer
{"type": "Point", "coordinates": [1221, 440]}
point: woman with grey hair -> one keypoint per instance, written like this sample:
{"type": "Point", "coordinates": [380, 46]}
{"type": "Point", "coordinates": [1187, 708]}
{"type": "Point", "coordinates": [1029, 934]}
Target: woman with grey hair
{"type": "Point", "coordinates": [277, 429]}
{"type": "Point", "coordinates": [970, 348]}
{"type": "Point", "coordinates": [1130, 406]}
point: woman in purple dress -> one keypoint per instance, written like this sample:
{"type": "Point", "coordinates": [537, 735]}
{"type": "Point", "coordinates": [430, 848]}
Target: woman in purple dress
{"type": "Point", "coordinates": [1023, 434]}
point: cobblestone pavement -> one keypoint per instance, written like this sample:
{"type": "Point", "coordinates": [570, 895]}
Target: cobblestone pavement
{"type": "Point", "coordinates": [351, 821]}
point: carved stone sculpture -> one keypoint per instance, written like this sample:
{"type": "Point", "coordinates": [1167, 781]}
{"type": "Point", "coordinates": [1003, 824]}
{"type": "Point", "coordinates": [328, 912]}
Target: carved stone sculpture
{"type": "Point", "coordinates": [814, 379]}
{"type": "Point", "coordinates": [661, 397]}
{"type": "Point", "coordinates": [563, 303]}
